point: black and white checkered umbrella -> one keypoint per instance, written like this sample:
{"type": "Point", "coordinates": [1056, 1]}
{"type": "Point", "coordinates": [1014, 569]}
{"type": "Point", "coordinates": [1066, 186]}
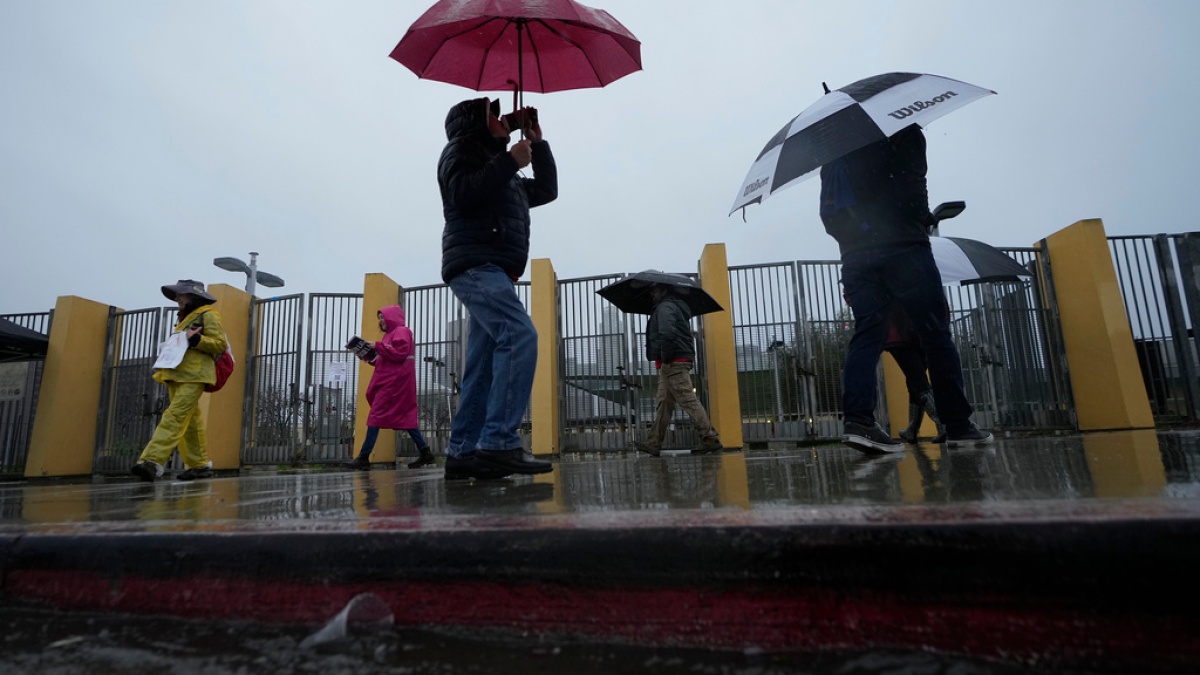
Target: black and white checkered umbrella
{"type": "Point", "coordinates": [847, 119]}
{"type": "Point", "coordinates": [967, 261]}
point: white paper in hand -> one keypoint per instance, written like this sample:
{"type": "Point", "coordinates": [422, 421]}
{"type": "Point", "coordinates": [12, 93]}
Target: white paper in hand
{"type": "Point", "coordinates": [171, 351]}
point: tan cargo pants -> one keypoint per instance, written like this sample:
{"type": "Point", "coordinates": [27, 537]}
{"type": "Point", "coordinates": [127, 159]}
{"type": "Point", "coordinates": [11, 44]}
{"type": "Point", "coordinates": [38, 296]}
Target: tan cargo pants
{"type": "Point", "coordinates": [675, 386]}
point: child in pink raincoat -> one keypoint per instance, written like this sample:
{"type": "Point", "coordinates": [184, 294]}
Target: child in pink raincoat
{"type": "Point", "coordinates": [392, 393]}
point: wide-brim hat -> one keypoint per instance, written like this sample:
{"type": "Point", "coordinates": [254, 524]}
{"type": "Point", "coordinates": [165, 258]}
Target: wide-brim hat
{"type": "Point", "coordinates": [189, 286]}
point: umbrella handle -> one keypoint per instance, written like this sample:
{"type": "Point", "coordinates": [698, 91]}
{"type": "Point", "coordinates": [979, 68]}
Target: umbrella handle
{"type": "Point", "coordinates": [517, 103]}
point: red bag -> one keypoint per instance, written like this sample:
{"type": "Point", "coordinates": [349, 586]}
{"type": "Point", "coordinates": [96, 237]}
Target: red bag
{"type": "Point", "coordinates": [224, 364]}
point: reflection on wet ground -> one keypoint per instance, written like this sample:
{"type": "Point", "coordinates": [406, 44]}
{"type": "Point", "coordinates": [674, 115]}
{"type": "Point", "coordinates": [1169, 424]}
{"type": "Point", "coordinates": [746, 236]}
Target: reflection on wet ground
{"type": "Point", "coordinates": [1160, 468]}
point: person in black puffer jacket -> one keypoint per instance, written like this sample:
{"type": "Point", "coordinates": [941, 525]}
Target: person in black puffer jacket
{"type": "Point", "coordinates": [485, 248]}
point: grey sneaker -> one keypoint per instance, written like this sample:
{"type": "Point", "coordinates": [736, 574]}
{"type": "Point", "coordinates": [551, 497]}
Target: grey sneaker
{"type": "Point", "coordinates": [972, 437]}
{"type": "Point", "coordinates": [870, 438]}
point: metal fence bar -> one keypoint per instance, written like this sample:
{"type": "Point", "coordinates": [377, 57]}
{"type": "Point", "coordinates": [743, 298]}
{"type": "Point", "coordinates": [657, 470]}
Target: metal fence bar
{"type": "Point", "coordinates": [596, 385]}
{"type": "Point", "coordinates": [130, 400]}
{"type": "Point", "coordinates": [20, 384]}
{"type": "Point", "coordinates": [275, 424]}
{"type": "Point", "coordinates": [1149, 278]}
{"type": "Point", "coordinates": [331, 390]}
{"type": "Point", "coordinates": [438, 322]}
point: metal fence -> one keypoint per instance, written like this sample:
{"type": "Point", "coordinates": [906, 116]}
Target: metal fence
{"type": "Point", "coordinates": [20, 383]}
{"type": "Point", "coordinates": [274, 427]}
{"type": "Point", "coordinates": [792, 328]}
{"type": "Point", "coordinates": [331, 376]}
{"type": "Point", "coordinates": [1158, 278]}
{"type": "Point", "coordinates": [130, 400]}
{"type": "Point", "coordinates": [440, 326]}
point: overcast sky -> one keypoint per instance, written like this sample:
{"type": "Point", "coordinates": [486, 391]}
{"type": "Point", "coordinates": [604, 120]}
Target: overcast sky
{"type": "Point", "coordinates": [139, 139]}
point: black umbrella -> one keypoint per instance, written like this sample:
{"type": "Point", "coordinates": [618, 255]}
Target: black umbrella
{"type": "Point", "coordinates": [846, 119]}
{"type": "Point", "coordinates": [632, 294]}
{"type": "Point", "coordinates": [966, 261]}
{"type": "Point", "coordinates": [18, 343]}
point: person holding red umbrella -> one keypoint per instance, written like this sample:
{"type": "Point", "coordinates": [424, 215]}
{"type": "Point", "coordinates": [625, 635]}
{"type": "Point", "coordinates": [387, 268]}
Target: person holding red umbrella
{"type": "Point", "coordinates": [485, 249]}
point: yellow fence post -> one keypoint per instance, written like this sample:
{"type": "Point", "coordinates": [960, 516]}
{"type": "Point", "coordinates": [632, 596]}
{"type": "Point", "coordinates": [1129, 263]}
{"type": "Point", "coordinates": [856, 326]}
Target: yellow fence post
{"type": "Point", "coordinates": [544, 403]}
{"type": "Point", "coordinates": [378, 292]}
{"type": "Point", "coordinates": [720, 355]}
{"type": "Point", "coordinates": [63, 442]}
{"type": "Point", "coordinates": [1105, 377]}
{"type": "Point", "coordinates": [223, 411]}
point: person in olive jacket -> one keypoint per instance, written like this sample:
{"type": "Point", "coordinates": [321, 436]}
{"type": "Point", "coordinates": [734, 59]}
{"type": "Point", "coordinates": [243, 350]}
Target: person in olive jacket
{"type": "Point", "coordinates": [485, 248]}
{"type": "Point", "coordinates": [672, 348]}
{"type": "Point", "coordinates": [182, 422]}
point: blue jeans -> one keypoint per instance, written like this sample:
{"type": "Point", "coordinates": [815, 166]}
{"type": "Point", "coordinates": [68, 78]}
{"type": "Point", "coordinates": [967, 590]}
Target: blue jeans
{"type": "Point", "coordinates": [871, 280]}
{"type": "Point", "coordinates": [373, 435]}
{"type": "Point", "coordinates": [501, 358]}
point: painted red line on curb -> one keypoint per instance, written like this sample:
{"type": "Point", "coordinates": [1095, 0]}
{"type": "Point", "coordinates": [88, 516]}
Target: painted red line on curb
{"type": "Point", "coordinates": [768, 618]}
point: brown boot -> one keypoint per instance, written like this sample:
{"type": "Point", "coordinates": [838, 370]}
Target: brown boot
{"type": "Point", "coordinates": [707, 445]}
{"type": "Point", "coordinates": [648, 448]}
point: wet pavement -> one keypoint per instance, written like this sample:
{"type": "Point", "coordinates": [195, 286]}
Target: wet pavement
{"type": "Point", "coordinates": [1055, 477]}
{"type": "Point", "coordinates": [1076, 549]}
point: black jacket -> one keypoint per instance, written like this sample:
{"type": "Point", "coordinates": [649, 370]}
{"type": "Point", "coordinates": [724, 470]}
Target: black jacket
{"type": "Point", "coordinates": [888, 200]}
{"type": "Point", "coordinates": [669, 333]}
{"type": "Point", "coordinates": [485, 203]}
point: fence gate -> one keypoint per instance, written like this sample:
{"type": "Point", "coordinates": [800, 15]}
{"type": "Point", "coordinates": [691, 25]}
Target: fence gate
{"type": "Point", "coordinates": [1158, 278]}
{"type": "Point", "coordinates": [440, 326]}
{"type": "Point", "coordinates": [331, 373]}
{"type": "Point", "coordinates": [607, 386]}
{"type": "Point", "coordinates": [1010, 345]}
{"type": "Point", "coordinates": [272, 414]}
{"type": "Point", "coordinates": [20, 382]}
{"type": "Point", "coordinates": [131, 401]}
{"type": "Point", "coordinates": [792, 330]}
{"type": "Point", "coordinates": [438, 322]}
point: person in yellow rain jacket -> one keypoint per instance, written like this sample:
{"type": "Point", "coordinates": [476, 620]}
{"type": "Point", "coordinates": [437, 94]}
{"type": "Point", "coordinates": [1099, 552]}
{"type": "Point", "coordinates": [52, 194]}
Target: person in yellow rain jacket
{"type": "Point", "coordinates": [182, 423]}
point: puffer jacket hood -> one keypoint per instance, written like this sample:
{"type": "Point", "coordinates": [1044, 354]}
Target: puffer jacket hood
{"type": "Point", "coordinates": [393, 317]}
{"type": "Point", "coordinates": [468, 118]}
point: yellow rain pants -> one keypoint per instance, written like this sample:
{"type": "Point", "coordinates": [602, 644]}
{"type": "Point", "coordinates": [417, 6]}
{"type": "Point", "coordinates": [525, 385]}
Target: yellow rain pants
{"type": "Point", "coordinates": [182, 425]}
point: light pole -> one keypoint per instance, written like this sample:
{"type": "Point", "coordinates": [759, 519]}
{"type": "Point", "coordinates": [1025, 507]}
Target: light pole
{"type": "Point", "coordinates": [253, 275]}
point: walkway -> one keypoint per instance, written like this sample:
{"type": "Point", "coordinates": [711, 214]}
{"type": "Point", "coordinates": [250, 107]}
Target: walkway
{"type": "Point", "coordinates": [1074, 549]}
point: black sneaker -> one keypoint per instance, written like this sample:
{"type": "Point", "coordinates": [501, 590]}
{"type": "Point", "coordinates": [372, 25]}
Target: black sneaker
{"type": "Point", "coordinates": [516, 460]}
{"type": "Point", "coordinates": [972, 437]}
{"type": "Point", "coordinates": [425, 459]}
{"type": "Point", "coordinates": [870, 438]}
{"type": "Point", "coordinates": [469, 466]}
{"type": "Point", "coordinates": [193, 474]}
{"type": "Point", "coordinates": [358, 464]}
{"type": "Point", "coordinates": [147, 471]}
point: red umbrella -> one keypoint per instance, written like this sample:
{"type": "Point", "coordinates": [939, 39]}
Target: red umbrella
{"type": "Point", "coordinates": [475, 43]}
